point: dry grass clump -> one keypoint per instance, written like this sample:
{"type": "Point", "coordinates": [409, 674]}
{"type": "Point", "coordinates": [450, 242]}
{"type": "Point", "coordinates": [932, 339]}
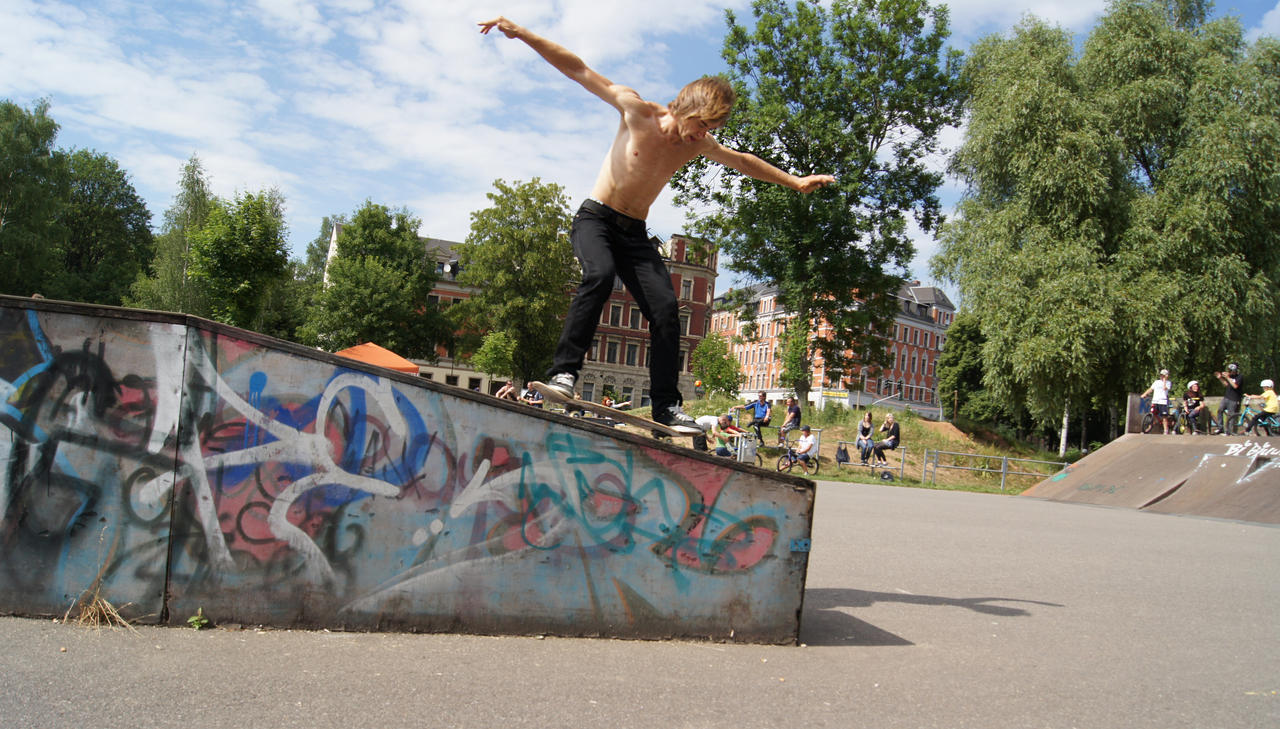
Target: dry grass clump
{"type": "Point", "coordinates": [94, 611]}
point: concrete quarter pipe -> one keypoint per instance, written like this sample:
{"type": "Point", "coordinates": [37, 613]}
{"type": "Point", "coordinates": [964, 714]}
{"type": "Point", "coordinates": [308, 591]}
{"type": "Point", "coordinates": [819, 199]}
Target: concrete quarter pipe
{"type": "Point", "coordinates": [170, 464]}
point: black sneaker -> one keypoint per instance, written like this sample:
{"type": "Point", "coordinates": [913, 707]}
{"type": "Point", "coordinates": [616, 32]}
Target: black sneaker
{"type": "Point", "coordinates": [673, 417]}
{"type": "Point", "coordinates": [563, 383]}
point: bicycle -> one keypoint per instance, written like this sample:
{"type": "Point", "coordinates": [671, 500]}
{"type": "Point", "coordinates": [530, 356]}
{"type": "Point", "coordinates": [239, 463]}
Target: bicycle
{"type": "Point", "coordinates": [1148, 417]}
{"type": "Point", "coordinates": [790, 459]}
{"type": "Point", "coordinates": [1183, 422]}
{"type": "Point", "coordinates": [1253, 417]}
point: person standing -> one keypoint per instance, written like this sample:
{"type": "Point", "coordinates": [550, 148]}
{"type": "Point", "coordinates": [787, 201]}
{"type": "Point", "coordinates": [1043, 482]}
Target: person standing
{"type": "Point", "coordinates": [609, 235]}
{"type": "Point", "coordinates": [1229, 409]}
{"type": "Point", "coordinates": [1159, 392]}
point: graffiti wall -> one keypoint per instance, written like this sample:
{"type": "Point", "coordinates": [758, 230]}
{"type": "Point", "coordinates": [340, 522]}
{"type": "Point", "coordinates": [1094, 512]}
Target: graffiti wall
{"type": "Point", "coordinates": [173, 464]}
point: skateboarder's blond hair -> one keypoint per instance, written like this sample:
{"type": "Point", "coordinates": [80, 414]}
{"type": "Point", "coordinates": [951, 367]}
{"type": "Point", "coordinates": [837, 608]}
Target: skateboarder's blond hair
{"type": "Point", "coordinates": [710, 99]}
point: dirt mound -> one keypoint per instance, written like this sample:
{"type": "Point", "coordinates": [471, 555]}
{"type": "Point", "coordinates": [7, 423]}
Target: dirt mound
{"type": "Point", "coordinates": [946, 429]}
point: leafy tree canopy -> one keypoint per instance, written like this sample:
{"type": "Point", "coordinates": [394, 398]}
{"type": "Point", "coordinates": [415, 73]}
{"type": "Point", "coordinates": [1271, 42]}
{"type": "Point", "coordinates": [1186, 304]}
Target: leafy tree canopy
{"type": "Point", "coordinates": [33, 193]}
{"type": "Point", "coordinates": [1122, 211]}
{"type": "Point", "coordinates": [716, 366]}
{"type": "Point", "coordinates": [379, 289]}
{"type": "Point", "coordinates": [108, 240]}
{"type": "Point", "coordinates": [520, 264]}
{"type": "Point", "coordinates": [856, 88]}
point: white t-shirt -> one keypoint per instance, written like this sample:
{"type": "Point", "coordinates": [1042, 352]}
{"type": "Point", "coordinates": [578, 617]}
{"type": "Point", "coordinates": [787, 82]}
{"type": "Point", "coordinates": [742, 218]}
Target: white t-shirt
{"type": "Point", "coordinates": [707, 422]}
{"type": "Point", "coordinates": [1160, 392]}
{"type": "Point", "coordinates": [804, 444]}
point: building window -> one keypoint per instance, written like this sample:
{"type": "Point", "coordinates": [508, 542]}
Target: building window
{"type": "Point", "coordinates": [473, 383]}
{"type": "Point", "coordinates": [686, 290]}
{"type": "Point", "coordinates": [627, 392]}
{"type": "Point", "coordinates": [451, 380]}
{"type": "Point", "coordinates": [680, 368]}
{"type": "Point", "coordinates": [644, 398]}
{"type": "Point", "coordinates": [633, 354]}
{"type": "Point", "coordinates": [684, 325]}
{"type": "Point", "coordinates": [589, 391]}
{"type": "Point", "coordinates": [591, 351]}
{"type": "Point", "coordinates": [615, 315]}
{"type": "Point", "coordinates": [611, 352]}
{"type": "Point", "coordinates": [635, 318]}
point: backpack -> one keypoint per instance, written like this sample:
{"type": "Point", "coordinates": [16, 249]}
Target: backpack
{"type": "Point", "coordinates": [842, 454]}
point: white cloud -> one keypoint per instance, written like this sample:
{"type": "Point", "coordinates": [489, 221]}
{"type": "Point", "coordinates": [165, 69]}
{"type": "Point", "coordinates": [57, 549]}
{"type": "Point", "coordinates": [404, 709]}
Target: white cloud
{"type": "Point", "coordinates": [972, 19]}
{"type": "Point", "coordinates": [1269, 25]}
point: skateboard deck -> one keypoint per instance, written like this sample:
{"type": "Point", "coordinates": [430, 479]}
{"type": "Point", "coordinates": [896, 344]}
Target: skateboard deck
{"type": "Point", "coordinates": [605, 411]}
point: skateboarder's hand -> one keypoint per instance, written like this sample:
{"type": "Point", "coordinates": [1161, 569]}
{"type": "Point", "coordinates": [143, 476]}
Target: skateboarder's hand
{"type": "Point", "coordinates": [813, 182]}
{"type": "Point", "coordinates": [508, 28]}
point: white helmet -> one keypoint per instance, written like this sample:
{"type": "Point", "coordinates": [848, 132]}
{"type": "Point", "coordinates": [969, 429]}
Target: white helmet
{"type": "Point", "coordinates": [1268, 383]}
{"type": "Point", "coordinates": [1192, 384]}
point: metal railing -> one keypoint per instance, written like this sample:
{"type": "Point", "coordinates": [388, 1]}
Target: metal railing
{"type": "Point", "coordinates": [933, 461]}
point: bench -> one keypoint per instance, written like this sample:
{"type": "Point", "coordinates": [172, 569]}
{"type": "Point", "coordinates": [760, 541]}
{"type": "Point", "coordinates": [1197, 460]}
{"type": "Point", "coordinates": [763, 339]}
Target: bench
{"type": "Point", "coordinates": [901, 467]}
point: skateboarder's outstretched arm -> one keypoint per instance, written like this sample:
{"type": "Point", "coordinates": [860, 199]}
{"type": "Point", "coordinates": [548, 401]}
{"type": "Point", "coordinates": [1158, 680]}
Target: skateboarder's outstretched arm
{"type": "Point", "coordinates": [565, 61]}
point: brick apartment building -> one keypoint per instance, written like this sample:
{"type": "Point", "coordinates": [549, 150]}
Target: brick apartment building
{"type": "Point", "coordinates": [916, 341]}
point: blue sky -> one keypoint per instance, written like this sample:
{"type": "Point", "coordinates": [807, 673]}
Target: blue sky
{"type": "Point", "coordinates": [399, 102]}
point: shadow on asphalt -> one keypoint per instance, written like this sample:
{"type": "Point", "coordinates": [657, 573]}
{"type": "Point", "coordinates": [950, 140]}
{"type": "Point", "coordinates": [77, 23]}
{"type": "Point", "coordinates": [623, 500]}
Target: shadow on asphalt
{"type": "Point", "coordinates": [825, 623]}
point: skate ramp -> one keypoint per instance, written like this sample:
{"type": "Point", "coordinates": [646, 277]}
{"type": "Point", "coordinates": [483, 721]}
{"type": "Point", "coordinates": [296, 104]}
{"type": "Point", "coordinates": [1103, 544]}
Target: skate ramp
{"type": "Point", "coordinates": [1131, 471]}
{"type": "Point", "coordinates": [169, 464]}
{"type": "Point", "coordinates": [1231, 478]}
{"type": "Point", "coordinates": [1228, 487]}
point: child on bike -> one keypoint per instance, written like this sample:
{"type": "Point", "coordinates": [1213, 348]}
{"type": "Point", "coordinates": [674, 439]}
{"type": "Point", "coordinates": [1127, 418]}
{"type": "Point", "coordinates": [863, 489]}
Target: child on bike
{"type": "Point", "coordinates": [1270, 406]}
{"type": "Point", "coordinates": [805, 445]}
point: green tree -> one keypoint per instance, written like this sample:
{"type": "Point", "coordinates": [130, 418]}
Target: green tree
{"type": "Point", "coordinates": [379, 288]}
{"type": "Point", "coordinates": [496, 355]}
{"type": "Point", "coordinates": [519, 262]}
{"type": "Point", "coordinates": [33, 194]}
{"type": "Point", "coordinates": [716, 366]}
{"type": "Point", "coordinates": [793, 354]}
{"type": "Point", "coordinates": [168, 285]}
{"type": "Point", "coordinates": [960, 373]}
{"type": "Point", "coordinates": [859, 89]}
{"type": "Point", "coordinates": [107, 227]}
{"type": "Point", "coordinates": [1121, 213]}
{"type": "Point", "coordinates": [240, 254]}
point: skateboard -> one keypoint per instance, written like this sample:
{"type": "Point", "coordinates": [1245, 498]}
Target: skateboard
{"type": "Point", "coordinates": [605, 411]}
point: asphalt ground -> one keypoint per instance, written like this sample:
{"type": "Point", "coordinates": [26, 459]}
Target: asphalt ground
{"type": "Point", "coordinates": [923, 609]}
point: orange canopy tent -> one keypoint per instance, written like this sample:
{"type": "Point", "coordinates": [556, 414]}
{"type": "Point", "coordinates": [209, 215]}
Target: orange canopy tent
{"type": "Point", "coordinates": [371, 353]}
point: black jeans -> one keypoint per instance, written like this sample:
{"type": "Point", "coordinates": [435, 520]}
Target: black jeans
{"type": "Point", "coordinates": [607, 244]}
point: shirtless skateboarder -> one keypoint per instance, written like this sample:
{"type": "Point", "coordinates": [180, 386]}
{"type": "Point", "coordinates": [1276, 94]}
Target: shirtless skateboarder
{"type": "Point", "coordinates": [609, 235]}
